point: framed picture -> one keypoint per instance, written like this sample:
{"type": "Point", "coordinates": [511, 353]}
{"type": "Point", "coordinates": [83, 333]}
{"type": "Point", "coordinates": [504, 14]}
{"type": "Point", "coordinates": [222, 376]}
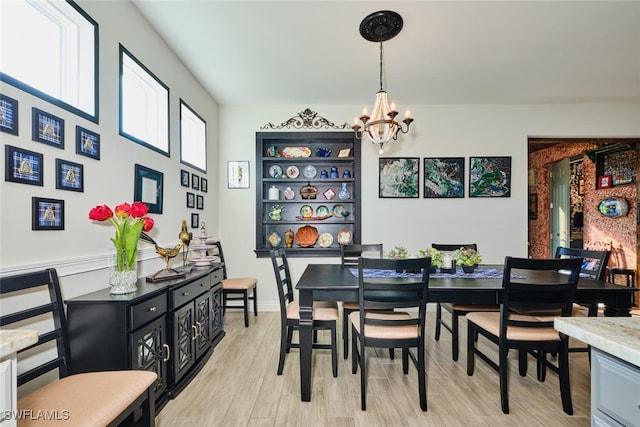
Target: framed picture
{"type": "Point", "coordinates": [195, 220]}
{"type": "Point", "coordinates": [69, 176]}
{"type": "Point", "coordinates": [345, 152]}
{"type": "Point", "coordinates": [22, 166]}
{"type": "Point", "coordinates": [490, 177]}
{"type": "Point", "coordinates": [47, 128]}
{"type": "Point", "coordinates": [238, 174]}
{"type": "Point", "coordinates": [87, 143]}
{"type": "Point", "coordinates": [184, 178]}
{"type": "Point", "coordinates": [8, 115]}
{"type": "Point", "coordinates": [533, 206]}
{"type": "Point", "coordinates": [148, 188]}
{"type": "Point", "coordinates": [398, 177]}
{"type": "Point", "coordinates": [191, 200]}
{"type": "Point", "coordinates": [531, 178]}
{"type": "Point", "coordinates": [199, 202]}
{"type": "Point", "coordinates": [195, 181]}
{"type": "Point", "coordinates": [443, 177]}
{"type": "Point", "coordinates": [619, 164]}
{"type": "Point", "coordinates": [47, 214]}
{"type": "Point", "coordinates": [204, 185]}
{"type": "Point", "coordinates": [604, 181]}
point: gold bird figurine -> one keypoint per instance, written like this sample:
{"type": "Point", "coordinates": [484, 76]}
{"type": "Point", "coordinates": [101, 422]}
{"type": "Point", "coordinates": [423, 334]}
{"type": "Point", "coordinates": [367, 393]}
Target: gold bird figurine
{"type": "Point", "coordinates": [185, 237]}
{"type": "Point", "coordinates": [166, 253]}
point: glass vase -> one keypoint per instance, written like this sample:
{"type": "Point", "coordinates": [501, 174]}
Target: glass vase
{"type": "Point", "coordinates": [123, 274]}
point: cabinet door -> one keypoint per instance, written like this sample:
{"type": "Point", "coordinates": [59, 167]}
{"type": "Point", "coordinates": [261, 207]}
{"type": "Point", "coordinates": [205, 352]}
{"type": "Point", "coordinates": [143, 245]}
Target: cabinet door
{"type": "Point", "coordinates": [216, 311]}
{"type": "Point", "coordinates": [203, 324]}
{"type": "Point", "coordinates": [151, 351]}
{"type": "Point", "coordinates": [184, 336]}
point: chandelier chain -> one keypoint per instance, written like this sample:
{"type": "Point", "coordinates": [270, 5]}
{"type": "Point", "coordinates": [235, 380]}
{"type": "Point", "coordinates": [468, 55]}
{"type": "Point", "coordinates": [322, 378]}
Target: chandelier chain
{"type": "Point", "coordinates": [381, 66]}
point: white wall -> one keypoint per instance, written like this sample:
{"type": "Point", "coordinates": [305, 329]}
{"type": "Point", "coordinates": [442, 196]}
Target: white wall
{"type": "Point", "coordinates": [498, 225]}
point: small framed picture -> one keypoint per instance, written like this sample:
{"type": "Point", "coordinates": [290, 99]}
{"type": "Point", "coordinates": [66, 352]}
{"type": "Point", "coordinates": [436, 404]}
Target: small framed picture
{"type": "Point", "coordinates": [47, 128]}
{"type": "Point", "coordinates": [22, 166]}
{"type": "Point", "coordinates": [195, 220]}
{"type": "Point", "coordinates": [184, 178]}
{"type": "Point", "coordinates": [8, 115]}
{"type": "Point", "coordinates": [533, 206]}
{"type": "Point", "coordinates": [148, 188]}
{"type": "Point", "coordinates": [199, 202]}
{"type": "Point", "coordinates": [69, 176]}
{"type": "Point", "coordinates": [204, 185]}
{"type": "Point", "coordinates": [604, 181]}
{"type": "Point", "coordinates": [87, 143]}
{"type": "Point", "coordinates": [195, 181]}
{"type": "Point", "coordinates": [345, 152]}
{"type": "Point", "coordinates": [238, 174]}
{"type": "Point", "coordinates": [47, 214]}
{"type": "Point", "coordinates": [191, 200]}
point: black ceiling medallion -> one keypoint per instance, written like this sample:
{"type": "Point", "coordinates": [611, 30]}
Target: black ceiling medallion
{"type": "Point", "coordinates": [306, 119]}
{"type": "Point", "coordinates": [381, 26]}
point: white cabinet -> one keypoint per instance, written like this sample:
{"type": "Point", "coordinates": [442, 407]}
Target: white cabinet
{"type": "Point", "coordinates": [615, 391]}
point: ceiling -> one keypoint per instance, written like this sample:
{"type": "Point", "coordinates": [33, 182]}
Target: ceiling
{"type": "Point", "coordinates": [449, 52]}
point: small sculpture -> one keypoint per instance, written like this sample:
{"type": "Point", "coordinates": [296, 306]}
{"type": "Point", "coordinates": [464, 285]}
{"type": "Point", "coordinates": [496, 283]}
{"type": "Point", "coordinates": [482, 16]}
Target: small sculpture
{"type": "Point", "coordinates": [166, 253]}
{"type": "Point", "coordinates": [288, 238]}
{"type": "Point", "coordinates": [185, 237]}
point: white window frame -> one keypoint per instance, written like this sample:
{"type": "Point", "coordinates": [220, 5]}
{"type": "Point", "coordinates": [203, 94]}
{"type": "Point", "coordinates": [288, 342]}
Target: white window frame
{"type": "Point", "coordinates": [50, 49]}
{"type": "Point", "coordinates": [193, 138]}
{"type": "Point", "coordinates": [144, 105]}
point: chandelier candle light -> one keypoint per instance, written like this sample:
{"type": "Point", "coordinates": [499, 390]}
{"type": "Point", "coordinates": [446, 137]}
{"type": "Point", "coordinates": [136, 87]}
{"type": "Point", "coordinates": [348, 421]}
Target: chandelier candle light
{"type": "Point", "coordinates": [381, 127]}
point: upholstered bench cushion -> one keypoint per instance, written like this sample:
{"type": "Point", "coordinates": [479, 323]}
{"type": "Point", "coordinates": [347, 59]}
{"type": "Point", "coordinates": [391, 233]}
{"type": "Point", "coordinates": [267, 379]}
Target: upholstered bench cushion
{"type": "Point", "coordinates": [91, 399]}
{"type": "Point", "coordinates": [491, 323]}
{"type": "Point", "coordinates": [322, 310]}
{"type": "Point", "coordinates": [239, 283]}
{"type": "Point", "coordinates": [377, 331]}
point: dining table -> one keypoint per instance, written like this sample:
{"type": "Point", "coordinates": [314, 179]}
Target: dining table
{"type": "Point", "coordinates": [335, 282]}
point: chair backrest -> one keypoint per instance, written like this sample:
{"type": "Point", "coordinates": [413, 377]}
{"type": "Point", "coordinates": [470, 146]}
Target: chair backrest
{"type": "Point", "coordinates": [536, 287]}
{"type": "Point", "coordinates": [349, 254]}
{"type": "Point", "coordinates": [389, 293]}
{"type": "Point", "coordinates": [283, 278]}
{"type": "Point", "coordinates": [594, 263]}
{"type": "Point", "coordinates": [220, 254]}
{"type": "Point", "coordinates": [40, 293]}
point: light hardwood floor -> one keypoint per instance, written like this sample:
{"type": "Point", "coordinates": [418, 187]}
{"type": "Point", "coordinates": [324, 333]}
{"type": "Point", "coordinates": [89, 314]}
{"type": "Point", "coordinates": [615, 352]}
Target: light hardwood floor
{"type": "Point", "coordinates": [239, 387]}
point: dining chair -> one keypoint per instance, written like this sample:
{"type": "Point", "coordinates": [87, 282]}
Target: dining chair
{"type": "Point", "coordinates": [106, 398]}
{"type": "Point", "coordinates": [384, 327]}
{"type": "Point", "coordinates": [456, 310]}
{"type": "Point", "coordinates": [325, 313]}
{"type": "Point", "coordinates": [533, 294]}
{"type": "Point", "coordinates": [237, 289]}
{"type": "Point", "coordinates": [349, 255]}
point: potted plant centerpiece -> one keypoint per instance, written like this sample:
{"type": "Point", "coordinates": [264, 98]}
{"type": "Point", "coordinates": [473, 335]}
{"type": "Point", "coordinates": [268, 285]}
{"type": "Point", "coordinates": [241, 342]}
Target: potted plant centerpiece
{"type": "Point", "coordinates": [468, 258]}
{"type": "Point", "coordinates": [436, 257]}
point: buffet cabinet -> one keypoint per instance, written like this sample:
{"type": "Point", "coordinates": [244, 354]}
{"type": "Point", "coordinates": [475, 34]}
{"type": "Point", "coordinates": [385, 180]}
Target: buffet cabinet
{"type": "Point", "coordinates": [170, 328]}
{"type": "Point", "coordinates": [308, 192]}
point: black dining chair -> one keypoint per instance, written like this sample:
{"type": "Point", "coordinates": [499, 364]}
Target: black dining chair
{"type": "Point", "coordinates": [533, 294]}
{"type": "Point", "coordinates": [378, 323]}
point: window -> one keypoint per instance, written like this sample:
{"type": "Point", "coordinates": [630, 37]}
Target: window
{"type": "Point", "coordinates": [49, 49]}
{"type": "Point", "coordinates": [193, 138]}
{"type": "Point", "coordinates": [144, 105]}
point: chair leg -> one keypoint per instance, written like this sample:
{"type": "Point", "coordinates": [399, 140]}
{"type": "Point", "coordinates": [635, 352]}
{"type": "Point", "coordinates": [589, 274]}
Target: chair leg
{"type": "Point", "coordinates": [334, 351]}
{"type": "Point", "coordinates": [345, 333]}
{"type": "Point", "coordinates": [522, 363]}
{"type": "Point", "coordinates": [245, 298]}
{"type": "Point", "coordinates": [363, 377]}
{"type": "Point", "coordinates": [354, 352]}
{"type": "Point", "coordinates": [405, 361]}
{"type": "Point", "coordinates": [284, 347]}
{"type": "Point", "coordinates": [438, 320]}
{"type": "Point", "coordinates": [392, 354]}
{"type": "Point", "coordinates": [563, 373]}
{"type": "Point", "coordinates": [224, 302]}
{"type": "Point", "coordinates": [422, 380]}
{"type": "Point", "coordinates": [472, 338]}
{"type": "Point", "coordinates": [255, 301]}
{"type": "Point", "coordinates": [504, 379]}
{"type": "Point", "coordinates": [454, 336]}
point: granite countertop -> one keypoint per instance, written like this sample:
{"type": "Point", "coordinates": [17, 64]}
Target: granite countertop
{"type": "Point", "coordinates": [618, 336]}
{"type": "Point", "coordinates": [13, 340]}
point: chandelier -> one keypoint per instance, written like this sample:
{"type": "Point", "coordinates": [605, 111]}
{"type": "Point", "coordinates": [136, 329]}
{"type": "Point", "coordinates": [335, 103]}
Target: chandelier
{"type": "Point", "coordinates": [381, 127]}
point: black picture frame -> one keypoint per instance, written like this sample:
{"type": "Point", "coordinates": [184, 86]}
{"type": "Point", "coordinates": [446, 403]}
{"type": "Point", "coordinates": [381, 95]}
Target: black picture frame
{"type": "Point", "coordinates": [8, 115]}
{"type": "Point", "coordinates": [200, 202]}
{"type": "Point", "coordinates": [69, 176]}
{"type": "Point", "coordinates": [148, 188]}
{"type": "Point", "coordinates": [204, 185]}
{"type": "Point", "coordinates": [533, 206]}
{"type": "Point", "coordinates": [87, 143]}
{"type": "Point", "coordinates": [490, 176]}
{"type": "Point", "coordinates": [399, 177]}
{"type": "Point", "coordinates": [443, 177]}
{"type": "Point", "coordinates": [184, 178]}
{"type": "Point", "coordinates": [615, 166]}
{"type": "Point", "coordinates": [23, 166]}
{"type": "Point", "coordinates": [47, 128]}
{"type": "Point", "coordinates": [191, 200]}
{"type": "Point", "coordinates": [47, 214]}
{"type": "Point", "coordinates": [195, 181]}
{"type": "Point", "coordinates": [195, 220]}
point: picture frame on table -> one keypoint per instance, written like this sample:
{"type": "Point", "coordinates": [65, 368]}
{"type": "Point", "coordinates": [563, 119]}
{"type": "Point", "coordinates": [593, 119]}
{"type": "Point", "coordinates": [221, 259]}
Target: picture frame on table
{"type": "Point", "coordinates": [8, 115]}
{"type": "Point", "coordinates": [199, 202]}
{"type": "Point", "coordinates": [195, 220]}
{"type": "Point", "coordinates": [184, 178]}
{"type": "Point", "coordinates": [47, 128]}
{"type": "Point", "coordinates": [47, 214]}
{"type": "Point", "coordinates": [204, 185]}
{"type": "Point", "coordinates": [148, 188]}
{"type": "Point", "coordinates": [238, 174]}
{"type": "Point", "coordinates": [398, 177]}
{"type": "Point", "coordinates": [87, 143]}
{"type": "Point", "coordinates": [443, 177]}
{"type": "Point", "coordinates": [533, 206]}
{"type": "Point", "coordinates": [23, 166]}
{"type": "Point", "coordinates": [490, 176]}
{"type": "Point", "coordinates": [195, 181]}
{"type": "Point", "coordinates": [69, 176]}
{"type": "Point", "coordinates": [191, 200]}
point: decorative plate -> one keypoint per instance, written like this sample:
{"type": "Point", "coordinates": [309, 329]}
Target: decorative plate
{"type": "Point", "coordinates": [325, 240]}
{"type": "Point", "coordinates": [337, 210]}
{"type": "Point", "coordinates": [345, 237]}
{"type": "Point", "coordinates": [306, 211]}
{"type": "Point", "coordinates": [293, 172]}
{"type": "Point", "coordinates": [613, 207]}
{"type": "Point", "coordinates": [306, 236]}
{"type": "Point", "coordinates": [296, 152]}
{"type": "Point", "coordinates": [275, 171]}
{"type": "Point", "coordinates": [322, 210]}
{"type": "Point", "coordinates": [329, 193]}
{"type": "Point", "coordinates": [274, 239]}
{"type": "Point", "coordinates": [309, 171]}
{"type": "Point", "coordinates": [289, 194]}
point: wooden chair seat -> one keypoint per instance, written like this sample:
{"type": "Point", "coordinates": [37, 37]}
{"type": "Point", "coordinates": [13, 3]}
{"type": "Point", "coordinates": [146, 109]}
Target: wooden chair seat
{"type": "Point", "coordinates": [383, 332]}
{"type": "Point", "coordinates": [238, 283]}
{"type": "Point", "coordinates": [322, 310]}
{"type": "Point", "coordinates": [491, 323]}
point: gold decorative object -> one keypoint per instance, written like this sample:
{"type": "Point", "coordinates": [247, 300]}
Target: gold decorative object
{"type": "Point", "coordinates": [185, 237]}
{"type": "Point", "coordinates": [166, 273]}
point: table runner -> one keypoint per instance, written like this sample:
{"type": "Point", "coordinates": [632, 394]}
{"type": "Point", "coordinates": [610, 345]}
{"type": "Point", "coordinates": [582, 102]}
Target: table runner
{"type": "Point", "coordinates": [478, 273]}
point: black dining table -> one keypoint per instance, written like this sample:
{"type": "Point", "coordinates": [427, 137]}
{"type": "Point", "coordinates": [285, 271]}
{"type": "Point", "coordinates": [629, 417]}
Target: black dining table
{"type": "Point", "coordinates": [335, 282]}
